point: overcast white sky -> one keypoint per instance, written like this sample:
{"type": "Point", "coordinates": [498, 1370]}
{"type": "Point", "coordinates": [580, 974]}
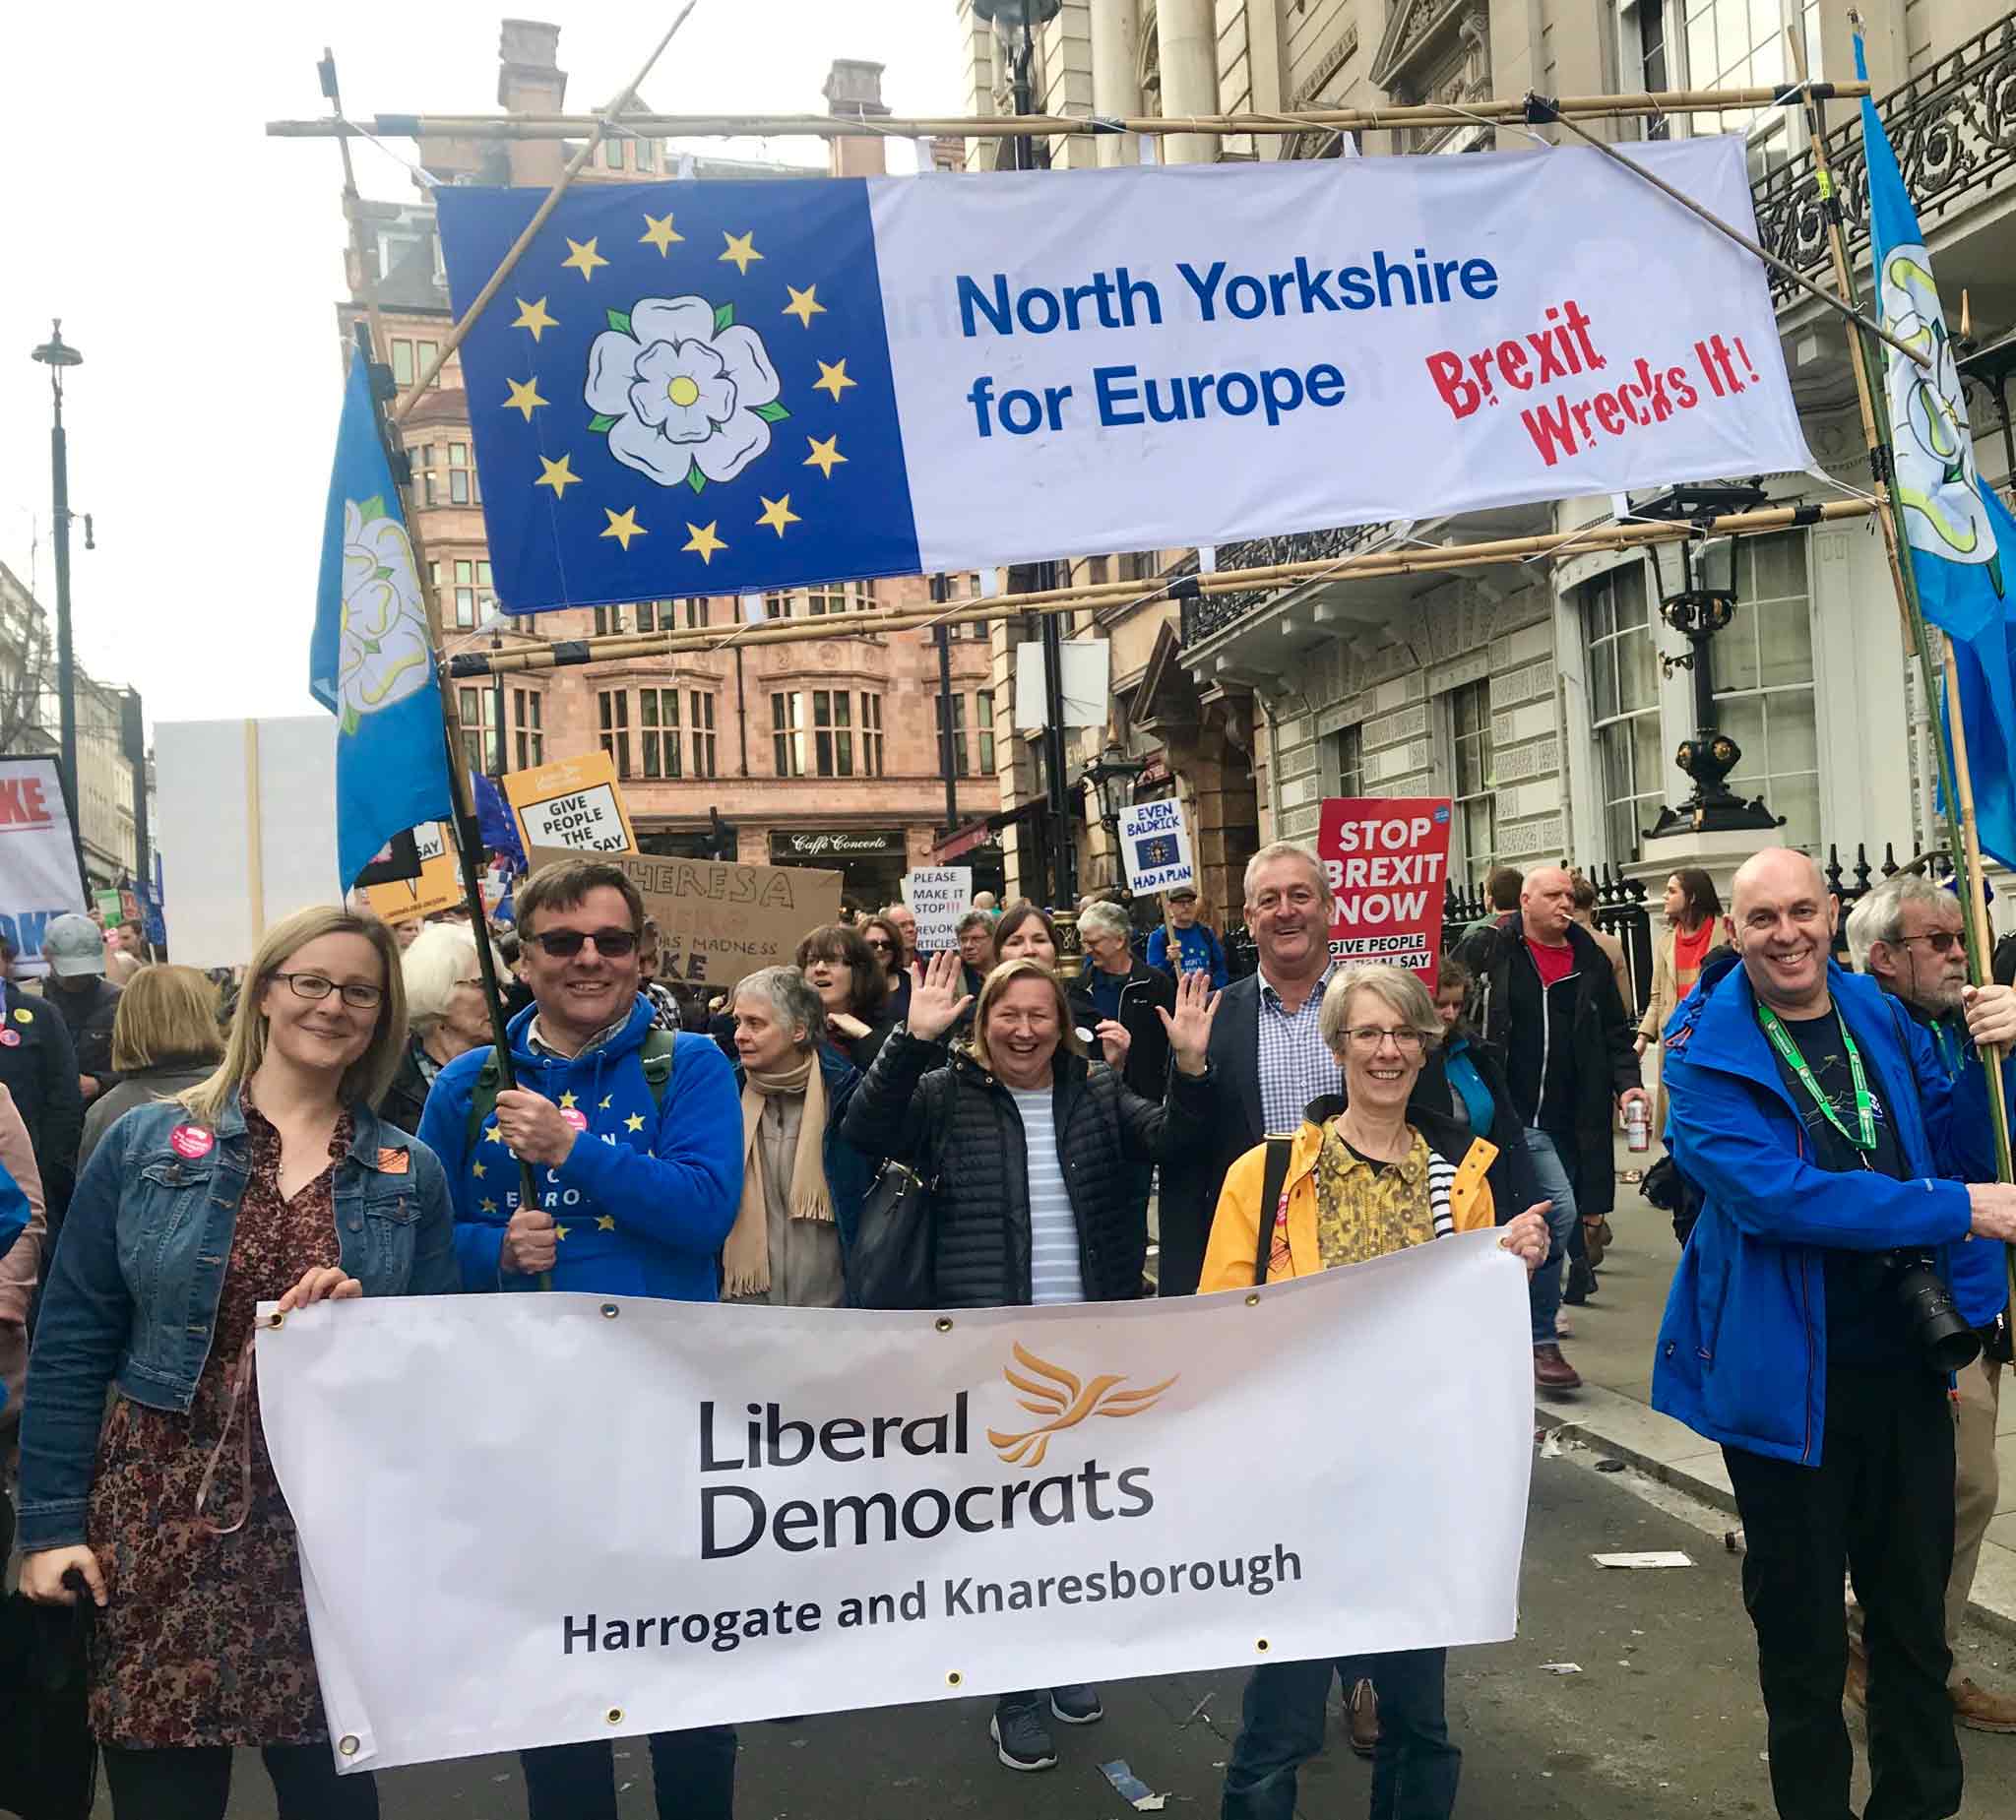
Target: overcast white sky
{"type": "Point", "coordinates": [196, 263]}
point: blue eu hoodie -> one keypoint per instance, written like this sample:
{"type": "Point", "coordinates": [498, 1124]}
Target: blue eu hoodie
{"type": "Point", "coordinates": [647, 1195]}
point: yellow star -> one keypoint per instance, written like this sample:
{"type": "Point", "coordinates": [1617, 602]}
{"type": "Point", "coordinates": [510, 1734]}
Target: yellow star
{"type": "Point", "coordinates": [534, 316]}
{"type": "Point", "coordinates": [777, 513]}
{"type": "Point", "coordinates": [824, 457]}
{"type": "Point", "coordinates": [488, 1205]}
{"type": "Point", "coordinates": [603, 1105]}
{"type": "Point", "coordinates": [804, 304]}
{"type": "Point", "coordinates": [567, 1099]}
{"type": "Point", "coordinates": [658, 233]}
{"type": "Point", "coordinates": [559, 1234]}
{"type": "Point", "coordinates": [635, 1122]}
{"type": "Point", "coordinates": [490, 1136]}
{"type": "Point", "coordinates": [832, 378]}
{"type": "Point", "coordinates": [478, 1170]}
{"type": "Point", "coordinates": [584, 259]}
{"type": "Point", "coordinates": [523, 398]}
{"type": "Point", "coordinates": [558, 475]}
{"type": "Point", "coordinates": [740, 251]}
{"type": "Point", "coordinates": [624, 526]}
{"type": "Point", "coordinates": [703, 543]}
{"type": "Point", "coordinates": [606, 1223]}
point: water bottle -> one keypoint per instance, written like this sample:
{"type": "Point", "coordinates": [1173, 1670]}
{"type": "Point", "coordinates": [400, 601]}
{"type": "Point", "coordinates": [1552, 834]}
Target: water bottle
{"type": "Point", "coordinates": [1637, 1126]}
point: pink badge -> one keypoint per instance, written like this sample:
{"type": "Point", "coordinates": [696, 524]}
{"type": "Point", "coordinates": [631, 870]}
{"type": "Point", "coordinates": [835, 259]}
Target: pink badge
{"type": "Point", "coordinates": [575, 1117]}
{"type": "Point", "coordinates": [11, 1038]}
{"type": "Point", "coordinates": [191, 1140]}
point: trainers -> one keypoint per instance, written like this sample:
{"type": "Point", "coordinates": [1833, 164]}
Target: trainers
{"type": "Point", "coordinates": [1077, 1705]}
{"type": "Point", "coordinates": [1021, 1739]}
{"type": "Point", "coordinates": [1364, 1707]}
{"type": "Point", "coordinates": [1550, 1371]}
{"type": "Point", "coordinates": [1981, 1711]}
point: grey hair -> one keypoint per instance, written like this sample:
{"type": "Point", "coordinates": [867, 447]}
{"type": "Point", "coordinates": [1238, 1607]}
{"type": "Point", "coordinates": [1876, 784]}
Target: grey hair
{"type": "Point", "coordinates": [1400, 990]}
{"type": "Point", "coordinates": [436, 958]}
{"type": "Point", "coordinates": [1285, 850]}
{"type": "Point", "coordinates": [1106, 919]}
{"type": "Point", "coordinates": [1879, 916]}
{"type": "Point", "coordinates": [789, 995]}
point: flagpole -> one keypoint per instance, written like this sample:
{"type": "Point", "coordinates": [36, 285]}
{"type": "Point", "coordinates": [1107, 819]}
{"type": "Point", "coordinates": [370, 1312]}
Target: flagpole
{"type": "Point", "coordinates": [1955, 777]}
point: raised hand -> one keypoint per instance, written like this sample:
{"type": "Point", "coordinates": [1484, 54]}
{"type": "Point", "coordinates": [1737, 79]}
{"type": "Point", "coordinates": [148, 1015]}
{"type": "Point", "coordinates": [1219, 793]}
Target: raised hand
{"type": "Point", "coordinates": [1189, 1029]}
{"type": "Point", "coordinates": [936, 1002]}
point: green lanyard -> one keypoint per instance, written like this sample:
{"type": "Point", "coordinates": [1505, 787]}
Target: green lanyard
{"type": "Point", "coordinates": [1865, 1100]}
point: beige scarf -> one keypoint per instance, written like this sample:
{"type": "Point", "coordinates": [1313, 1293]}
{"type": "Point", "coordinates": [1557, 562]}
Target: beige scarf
{"type": "Point", "coordinates": [745, 1259]}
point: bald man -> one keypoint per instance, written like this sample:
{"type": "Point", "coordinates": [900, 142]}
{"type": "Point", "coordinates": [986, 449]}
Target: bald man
{"type": "Point", "coordinates": [1547, 1003]}
{"type": "Point", "coordinates": [1831, 1148]}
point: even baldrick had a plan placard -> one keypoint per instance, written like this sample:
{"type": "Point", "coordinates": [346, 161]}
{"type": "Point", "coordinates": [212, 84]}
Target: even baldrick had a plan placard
{"type": "Point", "coordinates": [1157, 844]}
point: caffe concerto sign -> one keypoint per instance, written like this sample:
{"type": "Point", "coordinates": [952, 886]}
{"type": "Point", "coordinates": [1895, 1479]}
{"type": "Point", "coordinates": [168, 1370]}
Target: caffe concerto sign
{"type": "Point", "coordinates": [828, 847]}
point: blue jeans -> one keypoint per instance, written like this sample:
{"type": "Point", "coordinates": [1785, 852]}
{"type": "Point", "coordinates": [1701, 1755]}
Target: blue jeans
{"type": "Point", "coordinates": [1414, 1768]}
{"type": "Point", "coordinates": [1553, 1160]}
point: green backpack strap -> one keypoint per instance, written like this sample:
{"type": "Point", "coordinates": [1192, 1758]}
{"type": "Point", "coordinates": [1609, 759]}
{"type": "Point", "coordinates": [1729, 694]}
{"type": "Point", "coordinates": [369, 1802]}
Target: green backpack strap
{"type": "Point", "coordinates": [659, 1051]}
{"type": "Point", "coordinates": [482, 1099]}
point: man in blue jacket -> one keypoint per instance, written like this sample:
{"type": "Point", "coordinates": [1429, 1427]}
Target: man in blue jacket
{"type": "Point", "coordinates": [1829, 1147]}
{"type": "Point", "coordinates": [635, 1138]}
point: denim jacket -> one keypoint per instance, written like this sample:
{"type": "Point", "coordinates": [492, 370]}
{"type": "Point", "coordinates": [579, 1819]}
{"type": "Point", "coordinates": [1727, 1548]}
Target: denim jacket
{"type": "Point", "coordinates": [132, 1293]}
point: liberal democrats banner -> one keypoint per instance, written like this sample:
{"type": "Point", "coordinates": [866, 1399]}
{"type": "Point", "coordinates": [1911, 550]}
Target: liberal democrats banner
{"type": "Point", "coordinates": [716, 388]}
{"type": "Point", "coordinates": [541, 1518]}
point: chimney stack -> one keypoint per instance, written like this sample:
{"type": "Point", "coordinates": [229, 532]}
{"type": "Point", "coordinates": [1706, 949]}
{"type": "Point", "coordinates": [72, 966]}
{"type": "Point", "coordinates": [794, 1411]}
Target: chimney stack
{"type": "Point", "coordinates": [531, 80]}
{"type": "Point", "coordinates": [854, 92]}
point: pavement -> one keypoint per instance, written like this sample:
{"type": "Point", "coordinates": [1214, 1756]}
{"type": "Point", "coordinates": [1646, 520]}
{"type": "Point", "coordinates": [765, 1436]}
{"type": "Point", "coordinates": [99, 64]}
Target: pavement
{"type": "Point", "coordinates": [1613, 1345]}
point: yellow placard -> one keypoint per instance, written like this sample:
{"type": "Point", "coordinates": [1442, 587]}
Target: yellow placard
{"type": "Point", "coordinates": [438, 887]}
{"type": "Point", "coordinates": [572, 803]}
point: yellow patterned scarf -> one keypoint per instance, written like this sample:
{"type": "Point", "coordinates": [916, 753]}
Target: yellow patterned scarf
{"type": "Point", "coordinates": [1364, 1213]}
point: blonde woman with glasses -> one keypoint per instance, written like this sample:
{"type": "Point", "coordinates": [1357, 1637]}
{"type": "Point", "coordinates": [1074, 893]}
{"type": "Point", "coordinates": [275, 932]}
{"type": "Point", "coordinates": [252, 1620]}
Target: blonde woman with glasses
{"type": "Point", "coordinates": [272, 1179]}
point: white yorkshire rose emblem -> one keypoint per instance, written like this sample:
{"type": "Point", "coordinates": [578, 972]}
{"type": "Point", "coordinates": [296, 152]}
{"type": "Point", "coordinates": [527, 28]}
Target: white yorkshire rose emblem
{"type": "Point", "coordinates": [384, 638]}
{"type": "Point", "coordinates": [682, 390]}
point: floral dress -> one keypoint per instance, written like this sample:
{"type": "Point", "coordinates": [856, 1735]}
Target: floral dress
{"type": "Point", "coordinates": [204, 1639]}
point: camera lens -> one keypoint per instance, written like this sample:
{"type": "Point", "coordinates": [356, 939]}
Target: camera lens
{"type": "Point", "coordinates": [1949, 1342]}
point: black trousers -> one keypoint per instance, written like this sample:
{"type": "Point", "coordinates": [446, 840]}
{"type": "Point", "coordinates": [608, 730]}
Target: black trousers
{"type": "Point", "coordinates": [195, 1783]}
{"type": "Point", "coordinates": [1880, 1502]}
{"type": "Point", "coordinates": [692, 1775]}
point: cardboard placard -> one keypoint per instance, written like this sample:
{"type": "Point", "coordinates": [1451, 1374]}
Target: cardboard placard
{"type": "Point", "coordinates": [1387, 860]}
{"type": "Point", "coordinates": [571, 805]}
{"type": "Point", "coordinates": [938, 896]}
{"type": "Point", "coordinates": [717, 920]}
{"type": "Point", "coordinates": [438, 887]}
{"type": "Point", "coordinates": [1155, 841]}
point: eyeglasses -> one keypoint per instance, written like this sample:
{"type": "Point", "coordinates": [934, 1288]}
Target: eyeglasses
{"type": "Point", "coordinates": [1942, 941]}
{"type": "Point", "coordinates": [1368, 1036]}
{"type": "Point", "coordinates": [312, 987]}
{"type": "Point", "coordinates": [879, 943]}
{"type": "Point", "coordinates": [476, 984]}
{"type": "Point", "coordinates": [565, 944]}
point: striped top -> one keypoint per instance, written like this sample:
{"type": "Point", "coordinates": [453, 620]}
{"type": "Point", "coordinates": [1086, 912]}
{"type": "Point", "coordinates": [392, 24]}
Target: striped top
{"type": "Point", "coordinates": [1056, 1272]}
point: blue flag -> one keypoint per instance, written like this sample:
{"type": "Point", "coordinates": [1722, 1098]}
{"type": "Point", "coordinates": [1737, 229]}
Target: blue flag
{"type": "Point", "coordinates": [495, 823]}
{"type": "Point", "coordinates": [1962, 536]}
{"type": "Point", "coordinates": [369, 662]}
{"type": "Point", "coordinates": [685, 389]}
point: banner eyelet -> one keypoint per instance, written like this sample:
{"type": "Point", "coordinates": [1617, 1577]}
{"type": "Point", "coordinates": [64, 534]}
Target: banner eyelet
{"type": "Point", "coordinates": [614, 1716]}
{"type": "Point", "coordinates": [1253, 1300]}
{"type": "Point", "coordinates": [955, 1679]}
{"type": "Point", "coordinates": [1261, 1646]}
{"type": "Point", "coordinates": [943, 1323]}
{"type": "Point", "coordinates": [348, 1745]}
{"type": "Point", "coordinates": [610, 1311]}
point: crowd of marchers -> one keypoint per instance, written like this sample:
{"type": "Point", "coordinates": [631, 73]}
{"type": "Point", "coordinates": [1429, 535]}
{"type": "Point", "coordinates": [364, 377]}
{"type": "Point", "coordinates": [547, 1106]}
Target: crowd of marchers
{"type": "Point", "coordinates": [871, 1127]}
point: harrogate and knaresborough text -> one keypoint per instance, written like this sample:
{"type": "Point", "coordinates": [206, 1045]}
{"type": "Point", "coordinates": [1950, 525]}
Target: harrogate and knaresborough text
{"type": "Point", "coordinates": [1257, 1575]}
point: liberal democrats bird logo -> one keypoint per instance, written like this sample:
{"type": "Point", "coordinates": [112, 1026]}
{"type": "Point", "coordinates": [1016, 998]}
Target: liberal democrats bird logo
{"type": "Point", "coordinates": [1066, 1401]}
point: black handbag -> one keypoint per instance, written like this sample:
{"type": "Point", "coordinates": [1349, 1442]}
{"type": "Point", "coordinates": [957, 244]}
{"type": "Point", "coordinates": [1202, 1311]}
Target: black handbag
{"type": "Point", "coordinates": [48, 1763]}
{"type": "Point", "coordinates": [890, 1264]}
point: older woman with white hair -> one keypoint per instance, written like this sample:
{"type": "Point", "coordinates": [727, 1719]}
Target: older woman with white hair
{"type": "Point", "coordinates": [1367, 1174]}
{"type": "Point", "coordinates": [802, 1182]}
{"type": "Point", "coordinates": [446, 1011]}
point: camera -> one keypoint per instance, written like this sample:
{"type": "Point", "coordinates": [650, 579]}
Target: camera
{"type": "Point", "coordinates": [1947, 1340]}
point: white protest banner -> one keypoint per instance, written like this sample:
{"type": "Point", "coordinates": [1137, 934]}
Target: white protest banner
{"type": "Point", "coordinates": [1387, 860]}
{"type": "Point", "coordinates": [1155, 844]}
{"type": "Point", "coordinates": [1064, 364]}
{"type": "Point", "coordinates": [938, 896]}
{"type": "Point", "coordinates": [573, 802]}
{"type": "Point", "coordinates": [39, 877]}
{"type": "Point", "coordinates": [913, 1509]}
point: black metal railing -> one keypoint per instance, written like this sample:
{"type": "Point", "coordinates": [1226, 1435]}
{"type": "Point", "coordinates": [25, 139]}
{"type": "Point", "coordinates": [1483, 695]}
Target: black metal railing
{"type": "Point", "coordinates": [1954, 131]}
{"type": "Point", "coordinates": [1621, 910]}
{"type": "Point", "coordinates": [1207, 615]}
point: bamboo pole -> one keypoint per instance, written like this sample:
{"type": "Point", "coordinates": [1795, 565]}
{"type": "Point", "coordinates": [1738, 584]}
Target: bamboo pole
{"type": "Point", "coordinates": [1050, 126]}
{"type": "Point", "coordinates": [618, 647]}
{"type": "Point", "coordinates": [1956, 781]}
{"type": "Point", "coordinates": [404, 409]}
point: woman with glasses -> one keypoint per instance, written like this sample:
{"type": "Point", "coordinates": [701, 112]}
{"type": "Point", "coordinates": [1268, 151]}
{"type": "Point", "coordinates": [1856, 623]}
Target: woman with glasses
{"type": "Point", "coordinates": [1367, 1174]}
{"type": "Point", "coordinates": [840, 966]}
{"type": "Point", "coordinates": [884, 943]}
{"type": "Point", "coordinates": [273, 1180]}
{"type": "Point", "coordinates": [445, 1010]}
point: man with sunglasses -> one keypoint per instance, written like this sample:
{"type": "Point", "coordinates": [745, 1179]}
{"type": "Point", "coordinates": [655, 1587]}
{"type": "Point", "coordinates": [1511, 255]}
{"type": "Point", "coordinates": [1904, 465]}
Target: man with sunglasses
{"type": "Point", "coordinates": [1907, 936]}
{"type": "Point", "coordinates": [635, 1139]}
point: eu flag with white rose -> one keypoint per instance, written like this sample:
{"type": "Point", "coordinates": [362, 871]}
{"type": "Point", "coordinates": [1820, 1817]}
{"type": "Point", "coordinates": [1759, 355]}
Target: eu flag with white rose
{"type": "Point", "coordinates": [1962, 536]}
{"type": "Point", "coordinates": [683, 389]}
{"type": "Point", "coordinates": [369, 662]}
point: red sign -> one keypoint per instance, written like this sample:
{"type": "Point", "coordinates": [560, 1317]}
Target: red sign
{"type": "Point", "coordinates": [1387, 860]}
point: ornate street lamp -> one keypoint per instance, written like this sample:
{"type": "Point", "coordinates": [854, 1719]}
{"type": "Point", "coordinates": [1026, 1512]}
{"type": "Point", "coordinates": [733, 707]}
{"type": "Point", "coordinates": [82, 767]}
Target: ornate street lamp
{"type": "Point", "coordinates": [56, 354]}
{"type": "Point", "coordinates": [1110, 775]}
{"type": "Point", "coordinates": [1697, 582]}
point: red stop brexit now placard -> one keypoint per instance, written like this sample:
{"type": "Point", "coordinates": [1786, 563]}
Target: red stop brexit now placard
{"type": "Point", "coordinates": [1387, 860]}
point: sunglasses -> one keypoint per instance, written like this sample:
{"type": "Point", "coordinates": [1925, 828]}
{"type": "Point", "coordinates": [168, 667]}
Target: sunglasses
{"type": "Point", "coordinates": [1940, 941]}
{"type": "Point", "coordinates": [565, 944]}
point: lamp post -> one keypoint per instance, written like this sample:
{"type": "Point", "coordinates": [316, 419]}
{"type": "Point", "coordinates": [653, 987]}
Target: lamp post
{"type": "Point", "coordinates": [56, 354]}
{"type": "Point", "coordinates": [1698, 599]}
{"type": "Point", "coordinates": [1109, 775]}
